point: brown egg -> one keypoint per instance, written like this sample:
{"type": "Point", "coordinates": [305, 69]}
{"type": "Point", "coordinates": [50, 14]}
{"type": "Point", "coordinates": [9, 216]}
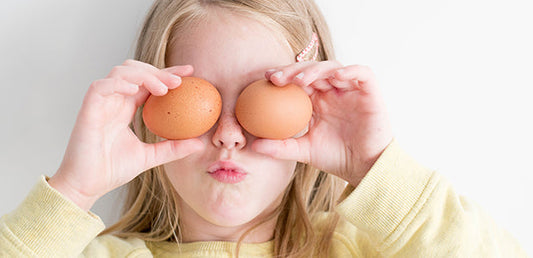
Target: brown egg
{"type": "Point", "coordinates": [187, 111]}
{"type": "Point", "coordinates": [269, 111]}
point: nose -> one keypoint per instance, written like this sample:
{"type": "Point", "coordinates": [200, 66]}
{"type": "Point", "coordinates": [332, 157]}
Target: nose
{"type": "Point", "coordinates": [229, 133]}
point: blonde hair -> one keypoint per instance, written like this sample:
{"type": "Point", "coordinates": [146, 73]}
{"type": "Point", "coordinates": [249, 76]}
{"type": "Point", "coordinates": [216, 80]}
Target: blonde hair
{"type": "Point", "coordinates": [151, 207]}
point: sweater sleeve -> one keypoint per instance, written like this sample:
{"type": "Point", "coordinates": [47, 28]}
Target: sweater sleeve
{"type": "Point", "coordinates": [406, 210]}
{"type": "Point", "coordinates": [46, 224]}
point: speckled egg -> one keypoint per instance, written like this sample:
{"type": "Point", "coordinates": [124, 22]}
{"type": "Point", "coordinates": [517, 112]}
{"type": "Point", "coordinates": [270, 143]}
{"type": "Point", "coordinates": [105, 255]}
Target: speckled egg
{"type": "Point", "coordinates": [187, 111]}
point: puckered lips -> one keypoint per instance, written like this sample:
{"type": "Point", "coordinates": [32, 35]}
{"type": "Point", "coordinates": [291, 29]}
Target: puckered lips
{"type": "Point", "coordinates": [226, 172]}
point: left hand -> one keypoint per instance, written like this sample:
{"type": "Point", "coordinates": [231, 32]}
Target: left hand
{"type": "Point", "coordinates": [349, 128]}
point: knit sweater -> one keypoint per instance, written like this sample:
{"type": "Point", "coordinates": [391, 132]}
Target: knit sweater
{"type": "Point", "coordinates": [399, 209]}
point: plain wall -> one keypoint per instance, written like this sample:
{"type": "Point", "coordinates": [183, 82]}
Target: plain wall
{"type": "Point", "coordinates": [456, 75]}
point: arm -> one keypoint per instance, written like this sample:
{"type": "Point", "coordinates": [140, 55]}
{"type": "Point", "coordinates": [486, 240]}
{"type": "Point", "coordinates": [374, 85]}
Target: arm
{"type": "Point", "coordinates": [410, 211]}
{"type": "Point", "coordinates": [103, 153]}
{"type": "Point", "coordinates": [401, 208]}
{"type": "Point", "coordinates": [46, 224]}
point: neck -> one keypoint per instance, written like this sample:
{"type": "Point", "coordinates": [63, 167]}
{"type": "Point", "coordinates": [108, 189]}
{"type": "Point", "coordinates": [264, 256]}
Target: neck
{"type": "Point", "coordinates": [195, 228]}
{"type": "Point", "coordinates": [260, 234]}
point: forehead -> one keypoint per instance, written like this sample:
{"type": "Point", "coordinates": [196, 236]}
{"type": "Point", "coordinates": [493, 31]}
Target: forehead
{"type": "Point", "coordinates": [227, 46]}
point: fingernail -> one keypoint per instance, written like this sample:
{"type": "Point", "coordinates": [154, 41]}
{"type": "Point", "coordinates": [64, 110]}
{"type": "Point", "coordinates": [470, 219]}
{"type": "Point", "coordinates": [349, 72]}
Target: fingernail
{"type": "Point", "coordinates": [176, 80]}
{"type": "Point", "coordinates": [278, 74]}
{"type": "Point", "coordinates": [133, 87]}
{"type": "Point", "coordinates": [300, 75]}
{"type": "Point", "coordinates": [270, 70]}
{"type": "Point", "coordinates": [308, 90]}
{"type": "Point", "coordinates": [163, 88]}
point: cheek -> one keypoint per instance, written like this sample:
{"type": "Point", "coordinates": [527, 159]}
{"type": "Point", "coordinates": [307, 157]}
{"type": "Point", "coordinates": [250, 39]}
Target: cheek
{"type": "Point", "coordinates": [177, 175]}
{"type": "Point", "coordinates": [274, 179]}
{"type": "Point", "coordinates": [187, 179]}
{"type": "Point", "coordinates": [184, 172]}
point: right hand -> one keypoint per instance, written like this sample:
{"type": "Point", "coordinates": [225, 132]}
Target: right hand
{"type": "Point", "coordinates": [103, 153]}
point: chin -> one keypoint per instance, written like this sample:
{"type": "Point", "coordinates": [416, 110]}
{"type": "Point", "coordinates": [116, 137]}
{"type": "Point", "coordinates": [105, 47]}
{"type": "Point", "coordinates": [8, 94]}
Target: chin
{"type": "Point", "coordinates": [231, 216]}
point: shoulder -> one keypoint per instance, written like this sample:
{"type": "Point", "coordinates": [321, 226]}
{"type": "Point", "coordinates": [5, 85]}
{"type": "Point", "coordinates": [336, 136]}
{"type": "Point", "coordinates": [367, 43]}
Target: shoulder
{"type": "Point", "coordinates": [113, 246]}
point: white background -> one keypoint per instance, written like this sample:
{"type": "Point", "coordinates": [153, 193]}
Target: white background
{"type": "Point", "coordinates": [456, 75]}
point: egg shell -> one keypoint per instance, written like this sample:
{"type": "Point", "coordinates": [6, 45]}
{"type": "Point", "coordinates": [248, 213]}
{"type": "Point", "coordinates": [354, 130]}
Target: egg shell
{"type": "Point", "coordinates": [273, 112]}
{"type": "Point", "coordinates": [187, 111]}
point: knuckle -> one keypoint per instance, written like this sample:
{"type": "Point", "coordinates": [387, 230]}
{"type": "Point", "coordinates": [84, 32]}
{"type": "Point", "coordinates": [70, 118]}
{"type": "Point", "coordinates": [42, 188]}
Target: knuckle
{"type": "Point", "coordinates": [129, 62]}
{"type": "Point", "coordinates": [116, 71]}
{"type": "Point", "coordinates": [292, 67]}
{"type": "Point", "coordinates": [106, 83]}
{"type": "Point", "coordinates": [335, 63]}
{"type": "Point", "coordinates": [314, 70]}
{"type": "Point", "coordinates": [360, 68]}
{"type": "Point", "coordinates": [98, 86]}
{"type": "Point", "coordinates": [99, 83]}
{"type": "Point", "coordinates": [114, 81]}
{"type": "Point", "coordinates": [162, 74]}
{"type": "Point", "coordinates": [285, 69]}
{"type": "Point", "coordinates": [365, 68]}
{"type": "Point", "coordinates": [368, 70]}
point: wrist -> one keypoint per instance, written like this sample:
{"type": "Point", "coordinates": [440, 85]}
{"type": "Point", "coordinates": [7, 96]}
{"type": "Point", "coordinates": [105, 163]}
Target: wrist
{"type": "Point", "coordinates": [362, 164]}
{"type": "Point", "coordinates": [62, 186]}
{"type": "Point", "coordinates": [358, 172]}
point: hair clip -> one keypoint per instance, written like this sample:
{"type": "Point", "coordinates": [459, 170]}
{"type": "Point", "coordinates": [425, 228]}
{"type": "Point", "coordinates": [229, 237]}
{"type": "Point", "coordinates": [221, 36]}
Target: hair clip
{"type": "Point", "coordinates": [314, 42]}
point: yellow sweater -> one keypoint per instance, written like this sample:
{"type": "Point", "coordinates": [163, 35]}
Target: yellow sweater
{"type": "Point", "coordinates": [400, 209]}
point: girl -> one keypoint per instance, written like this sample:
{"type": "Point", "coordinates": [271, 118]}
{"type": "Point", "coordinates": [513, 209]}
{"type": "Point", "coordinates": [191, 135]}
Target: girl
{"type": "Point", "coordinates": [289, 202]}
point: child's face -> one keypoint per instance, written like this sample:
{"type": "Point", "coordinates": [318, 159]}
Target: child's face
{"type": "Point", "coordinates": [230, 52]}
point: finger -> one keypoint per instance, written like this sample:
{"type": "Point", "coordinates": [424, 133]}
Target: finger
{"type": "Point", "coordinates": [284, 75]}
{"type": "Point", "coordinates": [168, 77]}
{"type": "Point", "coordinates": [310, 76]}
{"type": "Point", "coordinates": [288, 149]}
{"type": "Point", "coordinates": [169, 150]}
{"type": "Point", "coordinates": [321, 85]}
{"type": "Point", "coordinates": [180, 70]}
{"type": "Point", "coordinates": [316, 71]}
{"type": "Point", "coordinates": [275, 70]}
{"type": "Point", "coordinates": [269, 73]}
{"type": "Point", "coordinates": [344, 85]}
{"type": "Point", "coordinates": [109, 86]}
{"type": "Point", "coordinates": [141, 97]}
{"type": "Point", "coordinates": [140, 77]}
{"type": "Point", "coordinates": [362, 78]}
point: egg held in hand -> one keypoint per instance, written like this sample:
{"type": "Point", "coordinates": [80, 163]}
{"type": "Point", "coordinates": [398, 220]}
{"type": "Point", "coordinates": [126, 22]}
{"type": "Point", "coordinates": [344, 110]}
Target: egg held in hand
{"type": "Point", "coordinates": [272, 112]}
{"type": "Point", "coordinates": [187, 111]}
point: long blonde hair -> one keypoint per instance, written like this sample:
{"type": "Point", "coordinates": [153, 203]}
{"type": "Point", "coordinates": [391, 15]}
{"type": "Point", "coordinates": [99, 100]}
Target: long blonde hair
{"type": "Point", "coordinates": [151, 207]}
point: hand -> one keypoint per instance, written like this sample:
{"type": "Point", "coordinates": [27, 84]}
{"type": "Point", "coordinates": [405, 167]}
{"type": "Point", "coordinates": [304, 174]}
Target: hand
{"type": "Point", "coordinates": [103, 153]}
{"type": "Point", "coordinates": [349, 128]}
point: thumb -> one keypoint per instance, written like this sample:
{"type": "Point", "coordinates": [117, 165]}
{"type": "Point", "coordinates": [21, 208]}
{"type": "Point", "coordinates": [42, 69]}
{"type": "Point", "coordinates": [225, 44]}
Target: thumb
{"type": "Point", "coordinates": [288, 149]}
{"type": "Point", "coordinates": [180, 70]}
{"type": "Point", "coordinates": [169, 150]}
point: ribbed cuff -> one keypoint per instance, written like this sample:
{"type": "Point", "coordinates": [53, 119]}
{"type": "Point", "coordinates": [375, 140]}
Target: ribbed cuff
{"type": "Point", "coordinates": [389, 196]}
{"type": "Point", "coordinates": [50, 225]}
